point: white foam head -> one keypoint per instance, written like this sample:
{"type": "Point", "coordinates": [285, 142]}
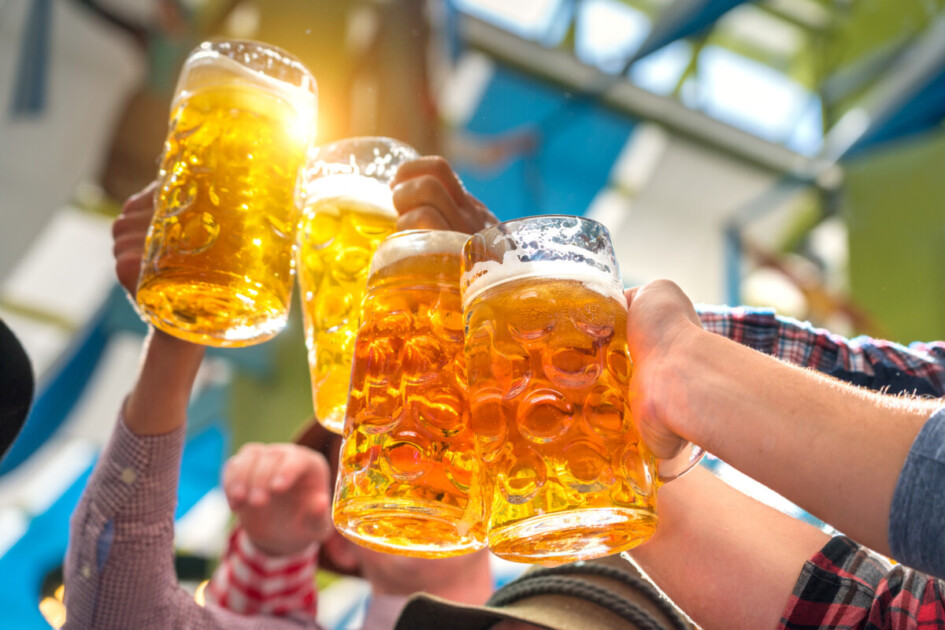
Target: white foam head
{"type": "Point", "coordinates": [370, 195]}
{"type": "Point", "coordinates": [210, 65]}
{"type": "Point", "coordinates": [408, 243]}
{"type": "Point", "coordinates": [551, 247]}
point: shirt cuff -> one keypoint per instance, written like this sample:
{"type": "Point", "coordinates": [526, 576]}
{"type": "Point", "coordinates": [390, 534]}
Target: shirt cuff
{"type": "Point", "coordinates": [249, 581]}
{"type": "Point", "coordinates": [917, 513]}
{"type": "Point", "coordinates": [138, 474]}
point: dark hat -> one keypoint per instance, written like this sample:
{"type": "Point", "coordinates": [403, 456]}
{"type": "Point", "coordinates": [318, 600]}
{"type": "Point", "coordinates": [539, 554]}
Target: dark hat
{"type": "Point", "coordinates": [609, 593]}
{"type": "Point", "coordinates": [16, 387]}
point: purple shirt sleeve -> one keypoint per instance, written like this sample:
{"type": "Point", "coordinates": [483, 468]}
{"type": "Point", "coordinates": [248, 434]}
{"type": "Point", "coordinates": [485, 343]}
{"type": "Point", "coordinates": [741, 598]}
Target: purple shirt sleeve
{"type": "Point", "coordinates": [119, 570]}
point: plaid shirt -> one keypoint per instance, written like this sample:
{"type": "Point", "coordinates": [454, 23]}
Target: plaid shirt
{"type": "Point", "coordinates": [845, 585]}
{"type": "Point", "coordinates": [849, 586]}
{"type": "Point", "coordinates": [918, 368]}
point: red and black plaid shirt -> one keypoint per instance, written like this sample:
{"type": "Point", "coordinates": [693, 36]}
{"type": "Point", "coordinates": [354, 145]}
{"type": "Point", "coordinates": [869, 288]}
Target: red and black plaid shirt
{"type": "Point", "coordinates": [847, 585]}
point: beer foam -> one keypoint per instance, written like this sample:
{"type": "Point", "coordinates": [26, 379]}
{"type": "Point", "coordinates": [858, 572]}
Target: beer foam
{"type": "Point", "coordinates": [215, 69]}
{"type": "Point", "coordinates": [488, 274]}
{"type": "Point", "coordinates": [401, 245]}
{"type": "Point", "coordinates": [369, 195]}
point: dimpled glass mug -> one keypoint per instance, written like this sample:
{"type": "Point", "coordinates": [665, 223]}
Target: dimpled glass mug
{"type": "Point", "coordinates": [349, 210]}
{"type": "Point", "coordinates": [409, 481]}
{"type": "Point", "coordinates": [548, 370]}
{"type": "Point", "coordinates": [218, 267]}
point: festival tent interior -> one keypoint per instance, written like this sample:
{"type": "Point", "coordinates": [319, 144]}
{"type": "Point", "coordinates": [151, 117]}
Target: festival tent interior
{"type": "Point", "coordinates": [755, 152]}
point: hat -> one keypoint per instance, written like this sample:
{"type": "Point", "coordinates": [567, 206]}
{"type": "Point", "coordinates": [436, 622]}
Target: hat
{"type": "Point", "coordinates": [16, 387]}
{"type": "Point", "coordinates": [609, 593]}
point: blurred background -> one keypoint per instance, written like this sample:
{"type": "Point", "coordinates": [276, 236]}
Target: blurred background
{"type": "Point", "coordinates": [782, 153]}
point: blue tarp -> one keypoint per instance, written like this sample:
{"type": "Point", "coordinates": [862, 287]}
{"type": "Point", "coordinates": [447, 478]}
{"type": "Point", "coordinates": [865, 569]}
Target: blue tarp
{"type": "Point", "coordinates": [578, 142]}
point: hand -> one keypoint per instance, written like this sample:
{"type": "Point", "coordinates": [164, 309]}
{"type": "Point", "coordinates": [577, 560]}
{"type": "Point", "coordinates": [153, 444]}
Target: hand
{"type": "Point", "coordinates": [659, 319]}
{"type": "Point", "coordinates": [280, 494]}
{"type": "Point", "coordinates": [128, 234]}
{"type": "Point", "coordinates": [429, 195]}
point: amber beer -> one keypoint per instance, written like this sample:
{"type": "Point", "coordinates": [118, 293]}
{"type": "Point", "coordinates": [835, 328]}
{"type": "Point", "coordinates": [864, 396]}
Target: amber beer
{"type": "Point", "coordinates": [409, 479]}
{"type": "Point", "coordinates": [348, 211]}
{"type": "Point", "coordinates": [218, 267]}
{"type": "Point", "coordinates": [548, 370]}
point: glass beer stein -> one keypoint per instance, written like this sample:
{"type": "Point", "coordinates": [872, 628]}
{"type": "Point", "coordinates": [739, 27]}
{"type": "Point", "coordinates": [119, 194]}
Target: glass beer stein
{"type": "Point", "coordinates": [548, 370]}
{"type": "Point", "coordinates": [349, 209]}
{"type": "Point", "coordinates": [409, 479]}
{"type": "Point", "coordinates": [218, 267]}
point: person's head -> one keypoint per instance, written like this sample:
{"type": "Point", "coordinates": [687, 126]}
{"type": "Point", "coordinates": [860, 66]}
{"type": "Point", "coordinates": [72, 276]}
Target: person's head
{"type": "Point", "coordinates": [609, 593]}
{"type": "Point", "coordinates": [387, 573]}
{"type": "Point", "coordinates": [16, 387]}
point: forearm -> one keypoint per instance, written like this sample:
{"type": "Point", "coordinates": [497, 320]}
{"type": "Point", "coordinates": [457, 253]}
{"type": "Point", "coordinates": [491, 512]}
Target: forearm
{"type": "Point", "coordinates": [729, 561]}
{"type": "Point", "coordinates": [833, 449]}
{"type": "Point", "coordinates": [158, 402]}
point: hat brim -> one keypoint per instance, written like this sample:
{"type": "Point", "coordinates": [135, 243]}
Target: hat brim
{"type": "Point", "coordinates": [570, 606]}
{"type": "Point", "coordinates": [428, 611]}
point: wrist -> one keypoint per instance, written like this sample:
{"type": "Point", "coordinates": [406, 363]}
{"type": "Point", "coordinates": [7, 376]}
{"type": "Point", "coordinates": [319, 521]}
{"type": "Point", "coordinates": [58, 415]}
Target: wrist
{"type": "Point", "coordinates": [278, 548]}
{"type": "Point", "coordinates": [686, 364]}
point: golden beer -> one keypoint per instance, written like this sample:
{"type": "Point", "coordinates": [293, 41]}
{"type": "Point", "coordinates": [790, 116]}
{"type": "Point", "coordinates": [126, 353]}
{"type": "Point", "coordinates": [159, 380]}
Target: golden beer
{"type": "Point", "coordinates": [548, 371]}
{"type": "Point", "coordinates": [349, 210]}
{"type": "Point", "coordinates": [409, 479]}
{"type": "Point", "coordinates": [218, 267]}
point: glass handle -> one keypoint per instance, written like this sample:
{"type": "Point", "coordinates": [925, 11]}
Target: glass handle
{"type": "Point", "coordinates": [680, 463]}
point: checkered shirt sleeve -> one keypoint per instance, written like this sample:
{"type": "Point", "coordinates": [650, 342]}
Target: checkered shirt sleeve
{"type": "Point", "coordinates": [917, 368]}
{"type": "Point", "coordinates": [849, 586]}
{"type": "Point", "coordinates": [250, 582]}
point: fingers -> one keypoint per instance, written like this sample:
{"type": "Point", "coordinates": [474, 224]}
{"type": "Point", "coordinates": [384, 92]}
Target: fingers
{"type": "Point", "coordinates": [129, 232]}
{"type": "Point", "coordinates": [428, 191]}
{"type": "Point", "coordinates": [429, 195]}
{"type": "Point", "coordinates": [423, 218]}
{"type": "Point", "coordinates": [259, 471]}
{"type": "Point", "coordinates": [236, 474]}
{"type": "Point", "coordinates": [438, 168]}
{"type": "Point", "coordinates": [142, 200]}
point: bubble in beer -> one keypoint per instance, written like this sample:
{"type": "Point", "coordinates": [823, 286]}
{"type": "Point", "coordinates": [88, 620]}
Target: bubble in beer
{"type": "Point", "coordinates": [192, 233]}
{"type": "Point", "coordinates": [586, 463]}
{"type": "Point", "coordinates": [382, 359]}
{"type": "Point", "coordinates": [604, 411]}
{"type": "Point", "coordinates": [573, 366]}
{"type": "Point", "coordinates": [333, 308]}
{"type": "Point", "coordinates": [321, 228]}
{"type": "Point", "coordinates": [632, 461]}
{"type": "Point", "coordinates": [489, 419]}
{"type": "Point", "coordinates": [408, 454]}
{"type": "Point", "coordinates": [530, 322]}
{"type": "Point", "coordinates": [180, 196]}
{"type": "Point", "coordinates": [442, 412]}
{"type": "Point", "coordinates": [424, 359]}
{"type": "Point", "coordinates": [619, 364]}
{"type": "Point", "coordinates": [544, 415]}
{"type": "Point", "coordinates": [462, 464]}
{"type": "Point", "coordinates": [380, 411]}
{"type": "Point", "coordinates": [351, 265]}
{"type": "Point", "coordinates": [511, 367]}
{"type": "Point", "coordinates": [524, 477]}
{"type": "Point", "coordinates": [446, 321]}
{"type": "Point", "coordinates": [593, 319]}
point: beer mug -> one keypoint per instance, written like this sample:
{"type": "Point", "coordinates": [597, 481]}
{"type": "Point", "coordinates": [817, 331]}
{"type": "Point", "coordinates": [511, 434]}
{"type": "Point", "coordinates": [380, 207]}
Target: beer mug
{"type": "Point", "coordinates": [349, 209]}
{"type": "Point", "coordinates": [548, 369]}
{"type": "Point", "coordinates": [218, 267]}
{"type": "Point", "coordinates": [409, 479]}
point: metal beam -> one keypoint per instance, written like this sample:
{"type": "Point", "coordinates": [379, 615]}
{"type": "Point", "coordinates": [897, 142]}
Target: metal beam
{"type": "Point", "coordinates": [563, 69]}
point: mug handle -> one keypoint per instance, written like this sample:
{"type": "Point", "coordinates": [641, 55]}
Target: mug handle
{"type": "Point", "coordinates": [679, 464]}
